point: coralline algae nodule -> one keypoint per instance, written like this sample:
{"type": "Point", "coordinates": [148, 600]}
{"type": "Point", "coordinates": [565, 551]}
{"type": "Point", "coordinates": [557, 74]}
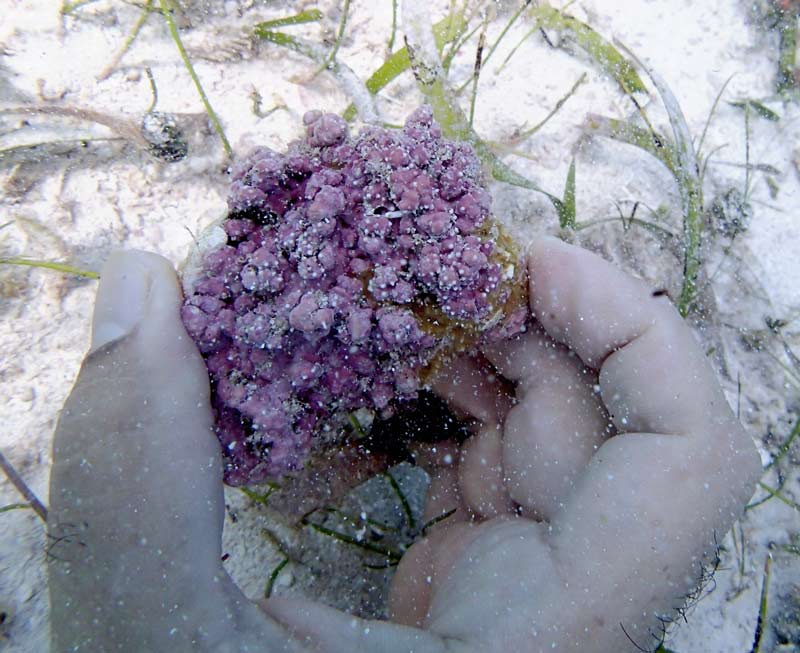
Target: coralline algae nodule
{"type": "Point", "coordinates": [350, 265]}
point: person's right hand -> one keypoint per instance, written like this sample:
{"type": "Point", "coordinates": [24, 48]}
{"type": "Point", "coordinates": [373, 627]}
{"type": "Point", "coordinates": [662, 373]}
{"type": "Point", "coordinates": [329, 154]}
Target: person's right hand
{"type": "Point", "coordinates": [584, 508]}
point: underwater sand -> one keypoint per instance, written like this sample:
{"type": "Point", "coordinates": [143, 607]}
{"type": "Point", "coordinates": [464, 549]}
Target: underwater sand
{"type": "Point", "coordinates": [74, 203]}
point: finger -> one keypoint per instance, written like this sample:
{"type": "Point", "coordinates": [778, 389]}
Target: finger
{"type": "Point", "coordinates": [425, 567]}
{"type": "Point", "coordinates": [555, 427]}
{"type": "Point", "coordinates": [441, 462]}
{"type": "Point", "coordinates": [469, 384]}
{"type": "Point", "coordinates": [651, 501]}
{"type": "Point", "coordinates": [410, 592]}
{"type": "Point", "coordinates": [135, 437]}
{"type": "Point", "coordinates": [461, 489]}
{"type": "Point", "coordinates": [325, 630]}
{"type": "Point", "coordinates": [136, 502]}
{"type": "Point", "coordinates": [481, 474]}
{"type": "Point", "coordinates": [654, 376]}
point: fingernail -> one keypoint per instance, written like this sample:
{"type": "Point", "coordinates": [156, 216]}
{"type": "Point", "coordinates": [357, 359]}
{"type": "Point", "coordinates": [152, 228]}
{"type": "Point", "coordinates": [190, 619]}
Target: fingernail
{"type": "Point", "coordinates": [121, 298]}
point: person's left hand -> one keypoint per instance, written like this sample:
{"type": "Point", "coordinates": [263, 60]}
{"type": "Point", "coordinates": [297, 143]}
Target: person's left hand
{"type": "Point", "coordinates": [136, 502]}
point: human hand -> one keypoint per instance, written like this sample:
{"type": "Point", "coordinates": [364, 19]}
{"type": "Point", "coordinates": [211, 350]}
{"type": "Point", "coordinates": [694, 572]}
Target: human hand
{"type": "Point", "coordinates": [136, 503]}
{"type": "Point", "coordinates": [136, 494]}
{"type": "Point", "coordinates": [586, 505]}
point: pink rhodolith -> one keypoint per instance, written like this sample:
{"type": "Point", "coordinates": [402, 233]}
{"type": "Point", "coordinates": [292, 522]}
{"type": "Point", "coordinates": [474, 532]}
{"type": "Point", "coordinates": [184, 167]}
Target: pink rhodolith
{"type": "Point", "coordinates": [352, 265]}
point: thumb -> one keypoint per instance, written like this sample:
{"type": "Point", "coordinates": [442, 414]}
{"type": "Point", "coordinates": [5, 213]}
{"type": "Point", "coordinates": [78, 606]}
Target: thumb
{"type": "Point", "coordinates": [136, 504]}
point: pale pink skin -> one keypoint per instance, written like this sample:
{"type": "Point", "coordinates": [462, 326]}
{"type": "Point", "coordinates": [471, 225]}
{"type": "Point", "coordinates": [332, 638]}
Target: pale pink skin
{"type": "Point", "coordinates": [614, 519]}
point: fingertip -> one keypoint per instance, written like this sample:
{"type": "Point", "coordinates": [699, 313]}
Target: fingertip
{"type": "Point", "coordinates": [165, 293]}
{"type": "Point", "coordinates": [586, 302]}
{"type": "Point", "coordinates": [410, 590]}
{"type": "Point", "coordinates": [549, 272]}
{"type": "Point", "coordinates": [546, 242]}
{"type": "Point", "coordinates": [469, 385]}
{"type": "Point", "coordinates": [548, 247]}
{"type": "Point", "coordinates": [133, 284]}
{"type": "Point", "coordinates": [163, 333]}
{"type": "Point", "coordinates": [121, 299]}
{"type": "Point", "coordinates": [139, 298]}
{"type": "Point", "coordinates": [481, 477]}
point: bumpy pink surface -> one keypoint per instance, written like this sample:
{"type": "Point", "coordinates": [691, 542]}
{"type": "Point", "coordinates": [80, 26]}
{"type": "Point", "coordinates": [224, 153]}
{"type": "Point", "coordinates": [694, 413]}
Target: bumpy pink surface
{"type": "Point", "coordinates": [305, 314]}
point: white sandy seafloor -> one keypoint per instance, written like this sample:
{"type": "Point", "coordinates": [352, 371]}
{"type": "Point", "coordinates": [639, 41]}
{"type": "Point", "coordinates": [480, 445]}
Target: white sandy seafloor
{"type": "Point", "coordinates": [76, 203]}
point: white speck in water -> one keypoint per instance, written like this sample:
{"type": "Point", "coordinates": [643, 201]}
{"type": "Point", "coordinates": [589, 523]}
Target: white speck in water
{"type": "Point", "coordinates": [448, 459]}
